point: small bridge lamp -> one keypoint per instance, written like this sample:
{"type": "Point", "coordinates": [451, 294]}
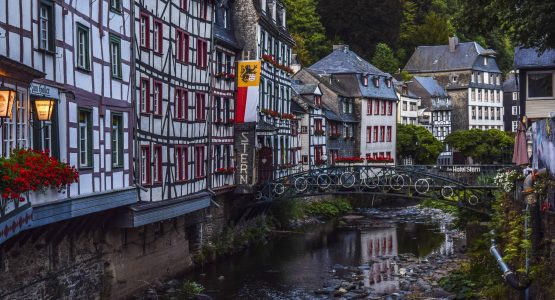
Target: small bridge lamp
{"type": "Point", "coordinates": [7, 98]}
{"type": "Point", "coordinates": [43, 109]}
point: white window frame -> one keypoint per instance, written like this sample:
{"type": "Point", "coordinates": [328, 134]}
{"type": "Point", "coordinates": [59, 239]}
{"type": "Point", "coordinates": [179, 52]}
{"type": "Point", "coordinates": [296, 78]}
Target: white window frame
{"type": "Point", "coordinates": [552, 85]}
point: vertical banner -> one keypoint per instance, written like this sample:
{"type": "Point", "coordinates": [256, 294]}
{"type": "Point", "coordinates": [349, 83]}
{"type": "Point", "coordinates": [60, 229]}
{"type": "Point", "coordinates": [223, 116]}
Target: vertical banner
{"type": "Point", "coordinates": [248, 83]}
{"type": "Point", "coordinates": [244, 157]}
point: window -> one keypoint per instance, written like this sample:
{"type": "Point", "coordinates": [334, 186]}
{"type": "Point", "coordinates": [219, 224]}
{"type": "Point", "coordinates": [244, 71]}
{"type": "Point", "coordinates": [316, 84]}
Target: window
{"type": "Point", "coordinates": [369, 107]}
{"type": "Point", "coordinates": [199, 161]}
{"type": "Point", "coordinates": [200, 108]}
{"type": "Point", "coordinates": [203, 9]}
{"type": "Point", "coordinates": [145, 165]}
{"type": "Point", "coordinates": [382, 105]}
{"type": "Point", "coordinates": [157, 98]}
{"type": "Point", "coordinates": [515, 110]}
{"type": "Point", "coordinates": [479, 113]}
{"type": "Point", "coordinates": [514, 126]}
{"type": "Point", "coordinates": [183, 4]}
{"type": "Point", "coordinates": [117, 141]}
{"type": "Point", "coordinates": [182, 40]}
{"type": "Point", "coordinates": [382, 133]}
{"type": "Point", "coordinates": [144, 30]}
{"type": "Point", "coordinates": [376, 134]}
{"type": "Point", "coordinates": [304, 159]}
{"type": "Point", "coordinates": [365, 80]}
{"type": "Point", "coordinates": [115, 5]}
{"type": "Point", "coordinates": [388, 82]}
{"type": "Point", "coordinates": [85, 139]}
{"type": "Point", "coordinates": [388, 134]}
{"type": "Point", "coordinates": [181, 163]}
{"type": "Point", "coordinates": [540, 85]}
{"type": "Point", "coordinates": [83, 51]}
{"type": "Point", "coordinates": [485, 60]}
{"type": "Point", "coordinates": [226, 17]}
{"type": "Point", "coordinates": [202, 55]}
{"type": "Point", "coordinates": [145, 95]}
{"type": "Point", "coordinates": [515, 96]}
{"type": "Point", "coordinates": [46, 26]}
{"type": "Point", "coordinates": [181, 104]}
{"type": "Point", "coordinates": [376, 81]}
{"type": "Point", "coordinates": [389, 108]}
{"type": "Point", "coordinates": [157, 164]}
{"type": "Point", "coordinates": [294, 128]}
{"type": "Point", "coordinates": [304, 129]}
{"type": "Point", "coordinates": [157, 37]}
{"type": "Point", "coordinates": [318, 125]}
{"type": "Point", "coordinates": [115, 55]}
{"type": "Point", "coordinates": [498, 109]}
{"type": "Point", "coordinates": [369, 134]}
{"type": "Point", "coordinates": [318, 100]}
{"type": "Point", "coordinates": [377, 107]}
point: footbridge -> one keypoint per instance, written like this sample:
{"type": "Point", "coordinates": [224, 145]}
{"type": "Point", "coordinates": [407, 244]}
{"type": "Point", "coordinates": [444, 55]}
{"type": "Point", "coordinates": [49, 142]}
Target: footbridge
{"type": "Point", "coordinates": [467, 186]}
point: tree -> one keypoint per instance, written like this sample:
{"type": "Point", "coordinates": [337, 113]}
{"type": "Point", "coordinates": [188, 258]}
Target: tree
{"type": "Point", "coordinates": [435, 30]}
{"type": "Point", "coordinates": [362, 23]}
{"type": "Point", "coordinates": [384, 59]}
{"type": "Point", "coordinates": [418, 143]}
{"type": "Point", "coordinates": [528, 23]}
{"type": "Point", "coordinates": [304, 24]}
{"type": "Point", "coordinates": [484, 146]}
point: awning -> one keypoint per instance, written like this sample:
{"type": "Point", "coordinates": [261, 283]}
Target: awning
{"type": "Point", "coordinates": [263, 128]}
{"type": "Point", "coordinates": [144, 213]}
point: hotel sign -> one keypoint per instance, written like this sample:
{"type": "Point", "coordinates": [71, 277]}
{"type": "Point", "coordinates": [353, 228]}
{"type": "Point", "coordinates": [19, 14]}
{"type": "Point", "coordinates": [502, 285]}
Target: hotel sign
{"type": "Point", "coordinates": [44, 91]}
{"type": "Point", "coordinates": [244, 157]}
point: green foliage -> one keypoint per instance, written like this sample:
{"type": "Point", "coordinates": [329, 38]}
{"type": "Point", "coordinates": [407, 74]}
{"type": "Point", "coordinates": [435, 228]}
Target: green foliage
{"type": "Point", "coordinates": [328, 208]}
{"type": "Point", "coordinates": [307, 30]}
{"type": "Point", "coordinates": [484, 146]}
{"type": "Point", "coordinates": [285, 211]}
{"type": "Point", "coordinates": [419, 143]}
{"type": "Point", "coordinates": [459, 283]}
{"type": "Point", "coordinates": [191, 289]}
{"type": "Point", "coordinates": [384, 59]}
{"type": "Point", "coordinates": [528, 23]}
{"type": "Point", "coordinates": [435, 30]}
{"type": "Point", "coordinates": [453, 209]}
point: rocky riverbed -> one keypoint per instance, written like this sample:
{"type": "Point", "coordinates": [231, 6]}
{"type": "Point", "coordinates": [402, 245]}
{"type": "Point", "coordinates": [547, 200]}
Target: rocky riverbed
{"type": "Point", "coordinates": [397, 276]}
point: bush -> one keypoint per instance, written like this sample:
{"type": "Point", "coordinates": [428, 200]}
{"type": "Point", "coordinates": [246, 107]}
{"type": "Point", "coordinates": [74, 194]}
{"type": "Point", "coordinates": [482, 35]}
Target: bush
{"type": "Point", "coordinates": [327, 208]}
{"type": "Point", "coordinates": [191, 289]}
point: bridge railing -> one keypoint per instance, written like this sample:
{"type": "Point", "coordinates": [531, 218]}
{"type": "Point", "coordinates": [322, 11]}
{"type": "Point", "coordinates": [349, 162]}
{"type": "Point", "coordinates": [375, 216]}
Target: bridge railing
{"type": "Point", "coordinates": [476, 175]}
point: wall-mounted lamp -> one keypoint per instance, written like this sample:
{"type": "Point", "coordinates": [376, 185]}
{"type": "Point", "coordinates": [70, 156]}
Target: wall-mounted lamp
{"type": "Point", "coordinates": [7, 98]}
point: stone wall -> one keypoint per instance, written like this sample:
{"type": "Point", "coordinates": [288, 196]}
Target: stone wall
{"type": "Point", "coordinates": [86, 258]}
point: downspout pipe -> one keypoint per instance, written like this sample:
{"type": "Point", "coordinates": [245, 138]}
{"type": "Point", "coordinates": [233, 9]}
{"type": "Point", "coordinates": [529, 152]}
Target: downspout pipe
{"type": "Point", "coordinates": [508, 276]}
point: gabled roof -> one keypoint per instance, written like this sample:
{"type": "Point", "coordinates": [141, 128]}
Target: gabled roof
{"type": "Point", "coordinates": [225, 36]}
{"type": "Point", "coordinates": [439, 58]}
{"type": "Point", "coordinates": [304, 89]}
{"type": "Point", "coordinates": [399, 88]}
{"type": "Point", "coordinates": [296, 108]}
{"type": "Point", "coordinates": [343, 60]}
{"type": "Point", "coordinates": [529, 58]}
{"type": "Point", "coordinates": [431, 86]}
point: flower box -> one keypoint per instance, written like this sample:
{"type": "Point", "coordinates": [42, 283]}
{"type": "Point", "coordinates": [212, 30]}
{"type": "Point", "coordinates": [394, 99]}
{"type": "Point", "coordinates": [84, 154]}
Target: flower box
{"type": "Point", "coordinates": [221, 171]}
{"type": "Point", "coordinates": [353, 159]}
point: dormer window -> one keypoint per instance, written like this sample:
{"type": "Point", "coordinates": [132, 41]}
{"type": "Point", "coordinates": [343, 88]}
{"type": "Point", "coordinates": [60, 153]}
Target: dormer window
{"type": "Point", "coordinates": [455, 78]}
{"type": "Point", "coordinates": [318, 100]}
{"type": "Point", "coordinates": [388, 82]}
{"type": "Point", "coordinates": [405, 91]}
{"type": "Point", "coordinates": [485, 60]}
{"type": "Point", "coordinates": [376, 82]}
{"type": "Point", "coordinates": [225, 18]}
{"type": "Point", "coordinates": [365, 80]}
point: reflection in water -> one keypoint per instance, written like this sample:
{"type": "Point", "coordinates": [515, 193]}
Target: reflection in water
{"type": "Point", "coordinates": [294, 265]}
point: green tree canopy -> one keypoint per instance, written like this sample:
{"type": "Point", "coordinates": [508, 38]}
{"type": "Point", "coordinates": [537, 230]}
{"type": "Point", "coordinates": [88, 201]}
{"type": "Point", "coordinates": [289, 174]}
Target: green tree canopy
{"type": "Point", "coordinates": [419, 143]}
{"type": "Point", "coordinates": [307, 29]}
{"type": "Point", "coordinates": [484, 146]}
{"type": "Point", "coordinates": [384, 59]}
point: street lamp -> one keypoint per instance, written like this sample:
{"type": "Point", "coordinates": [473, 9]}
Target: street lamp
{"type": "Point", "coordinates": [7, 97]}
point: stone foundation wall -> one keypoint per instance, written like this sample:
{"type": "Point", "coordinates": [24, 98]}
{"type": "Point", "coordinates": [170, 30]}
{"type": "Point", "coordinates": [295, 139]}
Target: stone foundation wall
{"type": "Point", "coordinates": [84, 258]}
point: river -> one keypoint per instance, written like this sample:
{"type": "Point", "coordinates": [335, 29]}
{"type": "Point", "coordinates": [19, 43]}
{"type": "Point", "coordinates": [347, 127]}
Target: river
{"type": "Point", "coordinates": [295, 265]}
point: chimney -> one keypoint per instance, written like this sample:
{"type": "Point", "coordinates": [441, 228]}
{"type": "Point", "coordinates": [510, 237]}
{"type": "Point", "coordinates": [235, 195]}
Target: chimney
{"type": "Point", "coordinates": [453, 43]}
{"type": "Point", "coordinates": [344, 48]}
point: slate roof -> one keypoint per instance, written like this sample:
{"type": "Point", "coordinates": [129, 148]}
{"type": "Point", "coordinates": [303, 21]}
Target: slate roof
{"type": "Point", "coordinates": [263, 126]}
{"type": "Point", "coordinates": [431, 86]}
{"type": "Point", "coordinates": [529, 58]}
{"type": "Point", "coordinates": [296, 108]}
{"type": "Point", "coordinates": [439, 58]}
{"type": "Point", "coordinates": [330, 115]}
{"type": "Point", "coordinates": [303, 89]}
{"type": "Point", "coordinates": [399, 88]}
{"type": "Point", "coordinates": [509, 85]}
{"type": "Point", "coordinates": [223, 35]}
{"type": "Point", "coordinates": [343, 60]}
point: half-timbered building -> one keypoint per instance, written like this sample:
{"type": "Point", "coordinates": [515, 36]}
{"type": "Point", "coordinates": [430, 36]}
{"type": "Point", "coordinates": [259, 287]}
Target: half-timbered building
{"type": "Point", "coordinates": [261, 30]}
{"type": "Point", "coordinates": [172, 82]}
{"type": "Point", "coordinates": [78, 56]}
{"type": "Point", "coordinates": [307, 104]}
{"type": "Point", "coordinates": [223, 85]}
